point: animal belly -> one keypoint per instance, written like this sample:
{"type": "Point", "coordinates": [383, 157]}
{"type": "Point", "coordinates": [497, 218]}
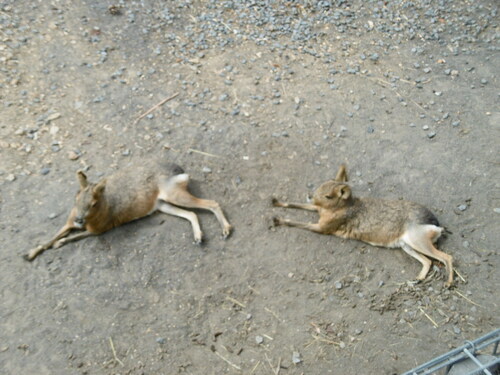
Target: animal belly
{"type": "Point", "coordinates": [381, 239]}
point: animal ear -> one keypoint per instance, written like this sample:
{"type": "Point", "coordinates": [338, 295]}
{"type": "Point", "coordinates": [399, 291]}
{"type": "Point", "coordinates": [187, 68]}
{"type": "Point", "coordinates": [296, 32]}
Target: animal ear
{"type": "Point", "coordinates": [99, 188]}
{"type": "Point", "coordinates": [82, 179]}
{"type": "Point", "coordinates": [343, 191]}
{"type": "Point", "coordinates": [341, 174]}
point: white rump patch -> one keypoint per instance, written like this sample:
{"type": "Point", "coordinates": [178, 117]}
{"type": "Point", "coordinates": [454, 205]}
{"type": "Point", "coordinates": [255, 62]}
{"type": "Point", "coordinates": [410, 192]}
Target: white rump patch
{"type": "Point", "coordinates": [180, 178]}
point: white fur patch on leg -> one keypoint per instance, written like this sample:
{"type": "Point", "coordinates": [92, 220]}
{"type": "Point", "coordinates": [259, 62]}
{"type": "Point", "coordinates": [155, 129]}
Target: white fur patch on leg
{"type": "Point", "coordinates": [179, 179]}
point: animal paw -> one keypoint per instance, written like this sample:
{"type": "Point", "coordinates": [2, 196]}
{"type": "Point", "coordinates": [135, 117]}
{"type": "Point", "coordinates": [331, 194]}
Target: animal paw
{"type": "Point", "coordinates": [226, 232]}
{"type": "Point", "coordinates": [33, 253]}
{"type": "Point", "coordinates": [198, 239]}
{"type": "Point", "coordinates": [277, 221]}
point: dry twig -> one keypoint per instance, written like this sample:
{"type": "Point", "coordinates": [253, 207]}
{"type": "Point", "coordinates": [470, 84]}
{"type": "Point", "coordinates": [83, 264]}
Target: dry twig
{"type": "Point", "coordinates": [428, 317]}
{"type": "Point", "coordinates": [227, 361]}
{"type": "Point", "coordinates": [114, 351]}
{"type": "Point", "coordinates": [154, 107]}
{"type": "Point", "coordinates": [467, 299]}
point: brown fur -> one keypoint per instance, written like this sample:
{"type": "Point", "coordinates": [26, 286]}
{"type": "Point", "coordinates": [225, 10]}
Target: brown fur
{"type": "Point", "coordinates": [376, 221]}
{"type": "Point", "coordinates": [128, 195]}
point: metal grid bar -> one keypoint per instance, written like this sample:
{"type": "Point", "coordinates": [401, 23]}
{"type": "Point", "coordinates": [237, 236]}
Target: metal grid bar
{"type": "Point", "coordinates": [459, 354]}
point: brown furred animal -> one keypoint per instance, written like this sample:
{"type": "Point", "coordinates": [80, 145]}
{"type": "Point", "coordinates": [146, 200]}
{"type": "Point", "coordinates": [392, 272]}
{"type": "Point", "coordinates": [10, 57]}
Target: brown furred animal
{"type": "Point", "coordinates": [375, 221]}
{"type": "Point", "coordinates": [129, 194]}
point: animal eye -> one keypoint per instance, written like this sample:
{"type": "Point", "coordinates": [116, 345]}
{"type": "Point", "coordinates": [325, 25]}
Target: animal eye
{"type": "Point", "coordinates": [328, 197]}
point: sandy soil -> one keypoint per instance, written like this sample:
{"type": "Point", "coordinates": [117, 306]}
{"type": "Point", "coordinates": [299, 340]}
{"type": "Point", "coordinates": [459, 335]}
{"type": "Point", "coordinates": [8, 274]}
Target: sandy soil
{"type": "Point", "coordinates": [418, 120]}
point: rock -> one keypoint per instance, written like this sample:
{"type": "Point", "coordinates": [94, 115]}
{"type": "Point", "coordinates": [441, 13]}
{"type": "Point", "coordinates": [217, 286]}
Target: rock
{"type": "Point", "coordinates": [259, 339]}
{"type": "Point", "coordinates": [296, 359]}
{"type": "Point", "coordinates": [73, 155]}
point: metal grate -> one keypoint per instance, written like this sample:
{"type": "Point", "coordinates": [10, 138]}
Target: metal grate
{"type": "Point", "coordinates": [469, 351]}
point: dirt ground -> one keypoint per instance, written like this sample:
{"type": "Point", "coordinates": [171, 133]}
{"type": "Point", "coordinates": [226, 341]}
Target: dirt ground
{"type": "Point", "coordinates": [254, 118]}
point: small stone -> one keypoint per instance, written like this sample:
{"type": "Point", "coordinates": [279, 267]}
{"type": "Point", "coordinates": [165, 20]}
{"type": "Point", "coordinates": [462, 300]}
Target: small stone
{"type": "Point", "coordinates": [496, 210]}
{"type": "Point", "coordinates": [10, 177]}
{"type": "Point", "coordinates": [455, 123]}
{"type": "Point", "coordinates": [425, 127]}
{"type": "Point", "coordinates": [338, 285]}
{"type": "Point", "coordinates": [466, 244]}
{"type": "Point", "coordinates": [73, 155]}
{"type": "Point", "coordinates": [358, 331]}
{"type": "Point", "coordinates": [462, 207]}
{"type": "Point", "coordinates": [160, 340]}
{"type": "Point", "coordinates": [484, 81]}
{"type": "Point", "coordinates": [52, 215]}
{"type": "Point", "coordinates": [381, 283]}
{"type": "Point", "coordinates": [259, 339]}
{"type": "Point", "coordinates": [457, 330]}
{"type": "Point", "coordinates": [53, 116]}
{"type": "Point", "coordinates": [206, 170]}
{"type": "Point", "coordinates": [44, 171]}
{"type": "Point", "coordinates": [431, 135]}
{"type": "Point", "coordinates": [370, 129]}
{"type": "Point", "coordinates": [296, 358]}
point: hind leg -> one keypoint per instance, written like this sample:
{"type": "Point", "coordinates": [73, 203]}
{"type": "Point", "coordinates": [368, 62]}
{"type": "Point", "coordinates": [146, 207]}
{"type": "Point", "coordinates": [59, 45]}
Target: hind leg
{"type": "Point", "coordinates": [188, 215]}
{"type": "Point", "coordinates": [175, 191]}
{"type": "Point", "coordinates": [421, 239]}
{"type": "Point", "coordinates": [426, 263]}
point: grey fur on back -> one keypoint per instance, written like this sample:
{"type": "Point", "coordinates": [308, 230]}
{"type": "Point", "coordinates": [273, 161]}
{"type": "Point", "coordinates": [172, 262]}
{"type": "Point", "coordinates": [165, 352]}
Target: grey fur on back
{"type": "Point", "coordinates": [369, 214]}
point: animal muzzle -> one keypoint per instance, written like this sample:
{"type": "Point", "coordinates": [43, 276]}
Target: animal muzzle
{"type": "Point", "coordinates": [79, 222]}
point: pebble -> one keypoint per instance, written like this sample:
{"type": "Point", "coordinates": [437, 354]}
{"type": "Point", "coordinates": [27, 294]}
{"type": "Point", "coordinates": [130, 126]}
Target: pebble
{"type": "Point", "coordinates": [259, 339]}
{"type": "Point", "coordinates": [296, 359]}
{"type": "Point", "coordinates": [431, 135]}
{"type": "Point", "coordinates": [206, 170]}
{"type": "Point", "coordinates": [338, 285]}
{"type": "Point", "coordinates": [160, 340]}
{"type": "Point", "coordinates": [44, 171]}
{"type": "Point", "coordinates": [74, 155]}
{"type": "Point", "coordinates": [10, 177]}
{"type": "Point", "coordinates": [462, 207]}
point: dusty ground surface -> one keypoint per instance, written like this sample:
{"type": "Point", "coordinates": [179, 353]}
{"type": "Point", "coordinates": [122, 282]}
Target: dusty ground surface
{"type": "Point", "coordinates": [272, 98]}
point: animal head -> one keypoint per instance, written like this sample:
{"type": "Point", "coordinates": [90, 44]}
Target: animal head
{"type": "Point", "coordinates": [88, 199]}
{"type": "Point", "coordinates": [334, 194]}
